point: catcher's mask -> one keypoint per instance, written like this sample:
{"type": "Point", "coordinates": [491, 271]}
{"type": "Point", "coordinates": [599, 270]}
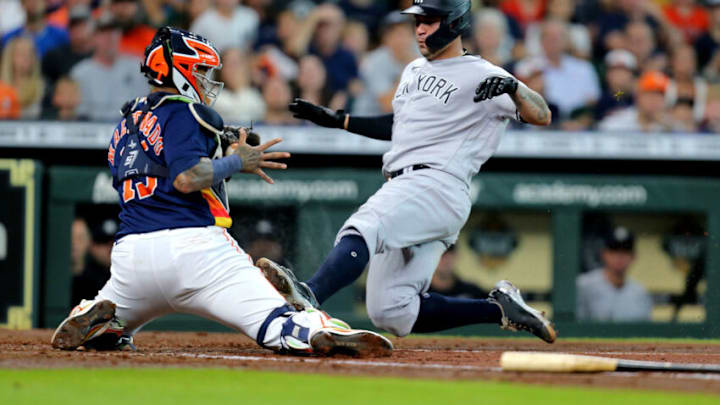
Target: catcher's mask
{"type": "Point", "coordinates": [183, 60]}
{"type": "Point", "coordinates": [456, 20]}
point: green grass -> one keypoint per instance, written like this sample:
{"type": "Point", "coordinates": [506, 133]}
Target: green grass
{"type": "Point", "coordinates": [129, 386]}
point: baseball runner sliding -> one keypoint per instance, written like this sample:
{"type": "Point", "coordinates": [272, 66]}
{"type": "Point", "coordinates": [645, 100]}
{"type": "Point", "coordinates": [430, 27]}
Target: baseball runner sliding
{"type": "Point", "coordinates": [170, 156]}
{"type": "Point", "coordinates": [449, 112]}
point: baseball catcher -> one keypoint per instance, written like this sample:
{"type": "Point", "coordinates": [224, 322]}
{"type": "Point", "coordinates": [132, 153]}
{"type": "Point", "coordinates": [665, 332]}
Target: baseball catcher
{"type": "Point", "coordinates": [170, 156]}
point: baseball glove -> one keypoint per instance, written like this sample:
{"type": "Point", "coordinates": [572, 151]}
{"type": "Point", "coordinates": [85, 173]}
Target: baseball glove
{"type": "Point", "coordinates": [231, 135]}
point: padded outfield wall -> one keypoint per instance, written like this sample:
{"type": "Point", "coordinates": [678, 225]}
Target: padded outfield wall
{"type": "Point", "coordinates": [319, 201]}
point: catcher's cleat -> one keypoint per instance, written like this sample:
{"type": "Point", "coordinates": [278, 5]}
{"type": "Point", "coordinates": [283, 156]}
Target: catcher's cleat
{"type": "Point", "coordinates": [296, 293]}
{"type": "Point", "coordinates": [351, 342]}
{"type": "Point", "coordinates": [87, 321]}
{"type": "Point", "coordinates": [517, 315]}
{"type": "Point", "coordinates": [114, 338]}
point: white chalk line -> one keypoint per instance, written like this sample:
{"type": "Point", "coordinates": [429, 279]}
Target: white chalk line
{"type": "Point", "coordinates": [365, 363]}
{"type": "Point", "coordinates": [436, 366]}
{"type": "Point", "coordinates": [589, 353]}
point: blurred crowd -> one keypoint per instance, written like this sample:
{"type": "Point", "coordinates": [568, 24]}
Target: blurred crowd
{"type": "Point", "coordinates": [612, 65]}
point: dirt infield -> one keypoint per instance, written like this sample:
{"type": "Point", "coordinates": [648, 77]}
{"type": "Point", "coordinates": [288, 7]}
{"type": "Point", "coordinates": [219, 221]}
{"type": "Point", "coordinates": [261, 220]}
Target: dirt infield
{"type": "Point", "coordinates": [436, 358]}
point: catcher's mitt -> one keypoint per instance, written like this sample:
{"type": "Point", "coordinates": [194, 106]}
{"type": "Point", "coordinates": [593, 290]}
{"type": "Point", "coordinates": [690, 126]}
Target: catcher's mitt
{"type": "Point", "coordinates": [231, 135]}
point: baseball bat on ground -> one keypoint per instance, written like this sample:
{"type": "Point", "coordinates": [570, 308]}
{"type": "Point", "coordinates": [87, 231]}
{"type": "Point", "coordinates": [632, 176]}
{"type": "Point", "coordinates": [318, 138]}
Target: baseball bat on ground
{"type": "Point", "coordinates": [574, 363]}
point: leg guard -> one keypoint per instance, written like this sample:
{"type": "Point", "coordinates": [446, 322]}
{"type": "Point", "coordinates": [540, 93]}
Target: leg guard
{"type": "Point", "coordinates": [286, 330]}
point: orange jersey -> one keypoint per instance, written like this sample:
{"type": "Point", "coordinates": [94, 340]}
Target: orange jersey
{"type": "Point", "coordinates": [136, 40]}
{"type": "Point", "coordinates": [9, 105]}
{"type": "Point", "coordinates": [692, 25]}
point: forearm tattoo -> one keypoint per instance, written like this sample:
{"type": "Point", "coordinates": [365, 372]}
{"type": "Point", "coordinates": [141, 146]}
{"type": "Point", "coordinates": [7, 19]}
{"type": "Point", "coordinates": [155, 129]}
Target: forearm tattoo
{"type": "Point", "coordinates": [531, 105]}
{"type": "Point", "coordinates": [197, 177]}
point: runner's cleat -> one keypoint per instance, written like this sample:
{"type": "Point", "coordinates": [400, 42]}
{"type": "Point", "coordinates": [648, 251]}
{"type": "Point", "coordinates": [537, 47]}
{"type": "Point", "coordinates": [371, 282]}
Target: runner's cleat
{"type": "Point", "coordinates": [517, 315]}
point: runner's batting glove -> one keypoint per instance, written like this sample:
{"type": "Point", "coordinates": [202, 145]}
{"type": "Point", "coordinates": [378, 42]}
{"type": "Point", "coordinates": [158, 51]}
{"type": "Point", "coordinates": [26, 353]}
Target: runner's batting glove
{"type": "Point", "coordinates": [494, 86]}
{"type": "Point", "coordinates": [320, 115]}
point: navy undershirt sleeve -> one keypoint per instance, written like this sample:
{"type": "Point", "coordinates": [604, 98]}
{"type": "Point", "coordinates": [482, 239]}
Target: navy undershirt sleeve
{"type": "Point", "coordinates": [377, 127]}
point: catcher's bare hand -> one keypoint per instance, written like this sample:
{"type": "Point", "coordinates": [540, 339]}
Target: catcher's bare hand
{"type": "Point", "coordinates": [255, 159]}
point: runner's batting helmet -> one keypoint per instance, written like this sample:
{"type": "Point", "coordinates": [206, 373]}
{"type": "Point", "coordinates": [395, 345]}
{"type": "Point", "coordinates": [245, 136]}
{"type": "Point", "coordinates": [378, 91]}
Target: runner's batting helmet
{"type": "Point", "coordinates": [456, 19]}
{"type": "Point", "coordinates": [183, 60]}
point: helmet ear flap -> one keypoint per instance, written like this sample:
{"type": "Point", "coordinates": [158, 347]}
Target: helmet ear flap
{"type": "Point", "coordinates": [159, 71]}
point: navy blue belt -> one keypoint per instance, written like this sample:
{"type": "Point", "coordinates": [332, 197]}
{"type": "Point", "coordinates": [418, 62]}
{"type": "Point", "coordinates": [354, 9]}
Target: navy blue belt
{"type": "Point", "coordinates": [408, 169]}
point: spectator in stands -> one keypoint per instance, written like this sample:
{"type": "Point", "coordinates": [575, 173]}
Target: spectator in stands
{"type": "Point", "coordinates": [227, 24]}
{"type": "Point", "coordinates": [368, 12]}
{"type": "Point", "coordinates": [59, 61]}
{"type": "Point", "coordinates": [12, 16]}
{"type": "Point", "coordinates": [682, 116]}
{"type": "Point", "coordinates": [380, 71]}
{"type": "Point", "coordinates": [640, 41]}
{"type": "Point", "coordinates": [608, 294]}
{"type": "Point", "coordinates": [692, 20]}
{"type": "Point", "coordinates": [277, 95]}
{"type": "Point", "coordinates": [709, 42]}
{"type": "Point", "coordinates": [265, 10]}
{"type": "Point", "coordinates": [320, 35]}
{"type": "Point", "coordinates": [279, 33]}
{"type": "Point", "coordinates": [620, 68]}
{"type": "Point", "coordinates": [525, 12]}
{"type": "Point", "coordinates": [446, 282]}
{"type": "Point", "coordinates": [579, 42]}
{"type": "Point", "coordinates": [65, 101]}
{"type": "Point", "coordinates": [711, 121]}
{"type": "Point", "coordinates": [530, 72]}
{"type": "Point", "coordinates": [21, 69]}
{"type": "Point", "coordinates": [46, 36]}
{"type": "Point", "coordinates": [616, 17]}
{"type": "Point", "coordinates": [238, 101]}
{"type": "Point", "coordinates": [711, 72]}
{"type": "Point", "coordinates": [136, 36]}
{"type": "Point", "coordinates": [311, 84]}
{"type": "Point", "coordinates": [570, 83]}
{"type": "Point", "coordinates": [79, 246]}
{"type": "Point", "coordinates": [97, 261]}
{"type": "Point", "coordinates": [491, 38]}
{"type": "Point", "coordinates": [263, 242]}
{"type": "Point", "coordinates": [9, 105]}
{"type": "Point", "coordinates": [182, 13]}
{"type": "Point", "coordinates": [355, 39]}
{"type": "Point", "coordinates": [649, 113]}
{"type": "Point", "coordinates": [275, 53]}
{"type": "Point", "coordinates": [685, 83]}
{"type": "Point", "coordinates": [108, 79]}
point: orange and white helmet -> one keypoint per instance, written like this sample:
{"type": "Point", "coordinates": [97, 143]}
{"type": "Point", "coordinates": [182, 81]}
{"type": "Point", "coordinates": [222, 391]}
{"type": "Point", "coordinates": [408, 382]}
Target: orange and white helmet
{"type": "Point", "coordinates": [183, 60]}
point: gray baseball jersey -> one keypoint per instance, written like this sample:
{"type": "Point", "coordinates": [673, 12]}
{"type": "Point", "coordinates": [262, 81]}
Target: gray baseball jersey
{"type": "Point", "coordinates": [411, 220]}
{"type": "Point", "coordinates": [436, 121]}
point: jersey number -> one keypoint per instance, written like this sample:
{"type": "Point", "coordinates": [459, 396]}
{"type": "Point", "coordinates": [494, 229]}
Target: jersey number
{"type": "Point", "coordinates": [142, 189]}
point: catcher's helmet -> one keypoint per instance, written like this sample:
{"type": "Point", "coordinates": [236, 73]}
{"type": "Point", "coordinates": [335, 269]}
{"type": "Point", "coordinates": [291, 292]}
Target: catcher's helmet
{"type": "Point", "coordinates": [183, 60]}
{"type": "Point", "coordinates": [456, 19]}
